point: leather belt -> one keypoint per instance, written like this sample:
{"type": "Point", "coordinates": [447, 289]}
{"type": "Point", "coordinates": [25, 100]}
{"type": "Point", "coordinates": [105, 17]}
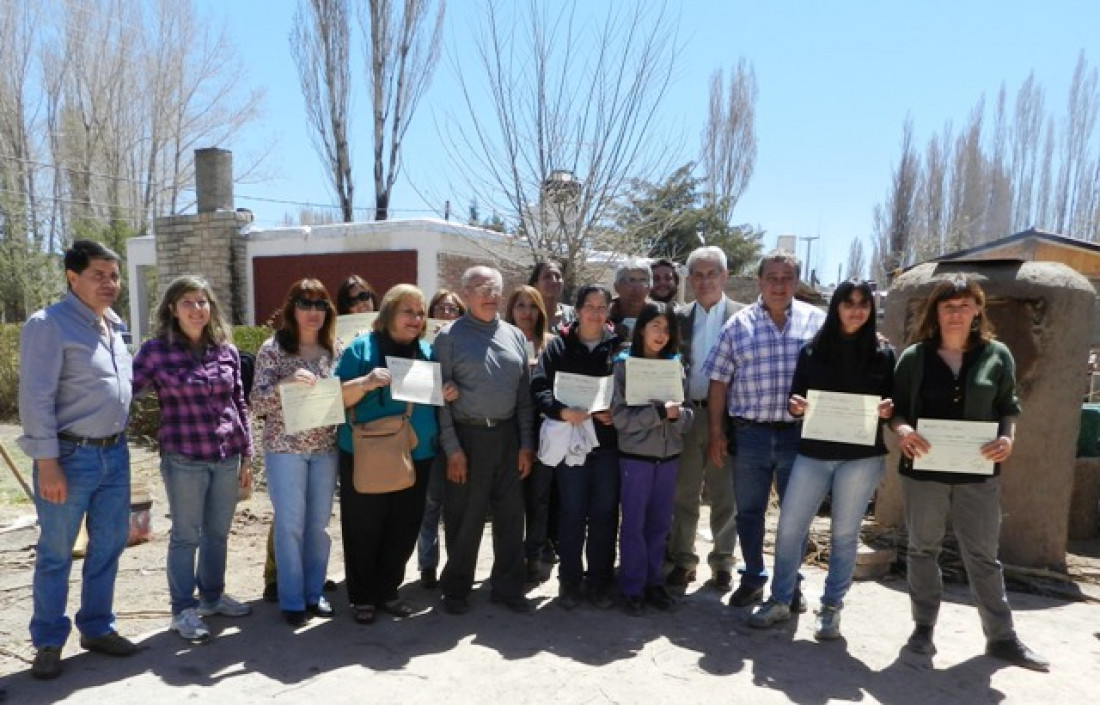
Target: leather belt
{"type": "Point", "coordinates": [483, 423]}
{"type": "Point", "coordinates": [93, 442]}
{"type": "Point", "coordinates": [774, 425]}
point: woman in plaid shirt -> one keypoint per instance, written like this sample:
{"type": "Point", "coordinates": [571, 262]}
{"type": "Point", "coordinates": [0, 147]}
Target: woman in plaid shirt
{"type": "Point", "coordinates": [205, 445]}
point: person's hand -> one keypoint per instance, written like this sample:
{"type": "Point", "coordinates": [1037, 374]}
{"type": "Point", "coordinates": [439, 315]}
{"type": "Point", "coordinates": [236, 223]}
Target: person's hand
{"type": "Point", "coordinates": [301, 376]}
{"type": "Point", "coordinates": [378, 377]}
{"type": "Point", "coordinates": [717, 449]}
{"type": "Point", "coordinates": [998, 450]}
{"type": "Point", "coordinates": [912, 444]}
{"type": "Point", "coordinates": [526, 462]}
{"type": "Point", "coordinates": [672, 410]}
{"type": "Point", "coordinates": [456, 467]}
{"type": "Point", "coordinates": [450, 392]}
{"type": "Point", "coordinates": [244, 476]}
{"type": "Point", "coordinates": [574, 415]}
{"type": "Point", "coordinates": [796, 405]}
{"type": "Point", "coordinates": [886, 408]}
{"type": "Point", "coordinates": [603, 417]}
{"type": "Point", "coordinates": [52, 485]}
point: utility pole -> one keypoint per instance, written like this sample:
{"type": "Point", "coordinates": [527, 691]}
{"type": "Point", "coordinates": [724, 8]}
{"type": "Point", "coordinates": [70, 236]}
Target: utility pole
{"type": "Point", "coordinates": [809, 244]}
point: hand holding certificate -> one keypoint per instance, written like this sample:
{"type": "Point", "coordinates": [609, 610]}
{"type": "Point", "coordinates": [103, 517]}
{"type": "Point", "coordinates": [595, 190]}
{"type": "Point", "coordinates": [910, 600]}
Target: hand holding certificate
{"type": "Point", "coordinates": [418, 381]}
{"type": "Point", "coordinates": [650, 380]}
{"type": "Point", "coordinates": [307, 406]}
{"type": "Point", "coordinates": [840, 417]}
{"type": "Point", "coordinates": [955, 446]}
{"type": "Point", "coordinates": [584, 392]}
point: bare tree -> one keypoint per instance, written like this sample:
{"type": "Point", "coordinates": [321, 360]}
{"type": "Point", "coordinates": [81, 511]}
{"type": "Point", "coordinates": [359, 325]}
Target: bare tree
{"type": "Point", "coordinates": [563, 120]}
{"type": "Point", "coordinates": [1075, 172]}
{"type": "Point", "coordinates": [729, 138]}
{"type": "Point", "coordinates": [320, 39]}
{"type": "Point", "coordinates": [895, 225]}
{"type": "Point", "coordinates": [402, 41]}
{"type": "Point", "coordinates": [1026, 132]}
{"type": "Point", "coordinates": [856, 262]}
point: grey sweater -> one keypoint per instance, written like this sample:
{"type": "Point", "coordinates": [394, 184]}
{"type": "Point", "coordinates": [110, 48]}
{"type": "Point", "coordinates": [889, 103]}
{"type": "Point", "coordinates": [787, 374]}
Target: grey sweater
{"type": "Point", "coordinates": [645, 430]}
{"type": "Point", "coordinates": [488, 362]}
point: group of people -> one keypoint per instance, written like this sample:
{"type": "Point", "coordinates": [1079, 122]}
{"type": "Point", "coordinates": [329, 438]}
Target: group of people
{"type": "Point", "coordinates": [596, 487]}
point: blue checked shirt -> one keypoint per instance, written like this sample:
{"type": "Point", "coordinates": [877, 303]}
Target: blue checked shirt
{"type": "Point", "coordinates": [757, 359]}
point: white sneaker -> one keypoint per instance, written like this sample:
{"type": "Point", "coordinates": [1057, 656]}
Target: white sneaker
{"type": "Point", "coordinates": [189, 625]}
{"type": "Point", "coordinates": [225, 606]}
{"type": "Point", "coordinates": [828, 623]}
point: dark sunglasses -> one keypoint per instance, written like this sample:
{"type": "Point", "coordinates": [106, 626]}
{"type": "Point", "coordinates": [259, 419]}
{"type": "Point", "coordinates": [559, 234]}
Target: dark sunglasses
{"type": "Point", "coordinates": [361, 296]}
{"type": "Point", "coordinates": [311, 304]}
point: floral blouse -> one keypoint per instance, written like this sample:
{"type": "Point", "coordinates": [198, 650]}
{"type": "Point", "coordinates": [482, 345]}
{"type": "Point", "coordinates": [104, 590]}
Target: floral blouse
{"type": "Point", "coordinates": [273, 364]}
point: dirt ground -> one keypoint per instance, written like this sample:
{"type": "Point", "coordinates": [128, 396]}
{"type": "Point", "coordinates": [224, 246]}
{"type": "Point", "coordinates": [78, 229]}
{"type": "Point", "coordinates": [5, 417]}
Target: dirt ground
{"type": "Point", "coordinates": [142, 608]}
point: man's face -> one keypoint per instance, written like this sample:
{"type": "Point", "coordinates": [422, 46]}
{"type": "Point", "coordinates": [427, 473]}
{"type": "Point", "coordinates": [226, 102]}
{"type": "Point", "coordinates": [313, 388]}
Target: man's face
{"type": "Point", "coordinates": [98, 285]}
{"type": "Point", "coordinates": [777, 283]}
{"type": "Point", "coordinates": [664, 283]}
{"type": "Point", "coordinates": [708, 281]}
{"type": "Point", "coordinates": [482, 296]}
{"type": "Point", "coordinates": [634, 288]}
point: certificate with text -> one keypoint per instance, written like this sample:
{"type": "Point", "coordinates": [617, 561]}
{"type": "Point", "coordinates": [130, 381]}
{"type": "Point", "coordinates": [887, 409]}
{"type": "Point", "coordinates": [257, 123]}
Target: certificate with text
{"type": "Point", "coordinates": [307, 406]}
{"type": "Point", "coordinates": [352, 325]}
{"type": "Point", "coordinates": [841, 417]}
{"type": "Point", "coordinates": [956, 445]}
{"type": "Point", "coordinates": [584, 392]}
{"type": "Point", "coordinates": [418, 381]}
{"type": "Point", "coordinates": [432, 326]}
{"type": "Point", "coordinates": [653, 380]}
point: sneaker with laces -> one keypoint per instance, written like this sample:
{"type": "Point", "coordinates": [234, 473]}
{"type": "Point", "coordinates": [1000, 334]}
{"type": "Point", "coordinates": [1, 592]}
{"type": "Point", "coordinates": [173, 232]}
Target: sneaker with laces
{"type": "Point", "coordinates": [827, 625]}
{"type": "Point", "coordinates": [189, 625]}
{"type": "Point", "coordinates": [746, 595]}
{"type": "Point", "coordinates": [225, 606]}
{"type": "Point", "coordinates": [769, 613]}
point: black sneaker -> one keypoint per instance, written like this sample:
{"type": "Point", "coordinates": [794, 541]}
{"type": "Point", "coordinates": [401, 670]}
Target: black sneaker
{"type": "Point", "coordinates": [1014, 651]}
{"type": "Point", "coordinates": [517, 603]}
{"type": "Point", "coordinates": [680, 577]}
{"type": "Point", "coordinates": [295, 618]}
{"type": "Point", "coordinates": [271, 592]}
{"type": "Point", "coordinates": [658, 597]}
{"type": "Point", "coordinates": [920, 641]}
{"type": "Point", "coordinates": [112, 644]}
{"type": "Point", "coordinates": [746, 595]}
{"type": "Point", "coordinates": [569, 596]}
{"type": "Point", "coordinates": [455, 605]}
{"type": "Point", "coordinates": [47, 663]}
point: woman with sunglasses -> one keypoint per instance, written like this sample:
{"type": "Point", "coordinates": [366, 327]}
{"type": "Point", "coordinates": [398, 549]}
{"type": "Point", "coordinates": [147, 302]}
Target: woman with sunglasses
{"type": "Point", "coordinates": [301, 467]}
{"type": "Point", "coordinates": [355, 295]}
{"type": "Point", "coordinates": [205, 445]}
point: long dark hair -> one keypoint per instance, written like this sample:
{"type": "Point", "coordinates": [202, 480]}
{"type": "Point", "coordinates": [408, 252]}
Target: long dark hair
{"type": "Point", "coordinates": [651, 310]}
{"type": "Point", "coordinates": [827, 341]}
{"type": "Point", "coordinates": [287, 335]}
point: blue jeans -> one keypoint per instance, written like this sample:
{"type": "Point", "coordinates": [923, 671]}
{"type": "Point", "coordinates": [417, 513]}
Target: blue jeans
{"type": "Point", "coordinates": [301, 487]}
{"type": "Point", "coordinates": [427, 545]}
{"type": "Point", "coordinates": [764, 454]}
{"type": "Point", "coordinates": [98, 481]}
{"type": "Point", "coordinates": [202, 496]}
{"type": "Point", "coordinates": [852, 483]}
{"type": "Point", "coordinates": [588, 518]}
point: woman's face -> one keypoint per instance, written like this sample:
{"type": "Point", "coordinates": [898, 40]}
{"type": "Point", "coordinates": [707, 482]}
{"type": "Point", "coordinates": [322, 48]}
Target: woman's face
{"type": "Point", "coordinates": [359, 300]}
{"type": "Point", "coordinates": [310, 311]}
{"type": "Point", "coordinates": [550, 283]}
{"type": "Point", "coordinates": [446, 309]}
{"type": "Point", "coordinates": [854, 312]}
{"type": "Point", "coordinates": [525, 313]}
{"type": "Point", "coordinates": [956, 316]}
{"type": "Point", "coordinates": [408, 320]}
{"type": "Point", "coordinates": [593, 313]}
{"type": "Point", "coordinates": [192, 310]}
{"type": "Point", "coordinates": [655, 336]}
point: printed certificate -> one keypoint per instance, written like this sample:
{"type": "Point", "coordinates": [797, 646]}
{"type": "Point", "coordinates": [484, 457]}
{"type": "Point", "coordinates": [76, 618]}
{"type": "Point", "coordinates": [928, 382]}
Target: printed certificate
{"type": "Point", "coordinates": [529, 348]}
{"type": "Point", "coordinates": [582, 391]}
{"type": "Point", "coordinates": [352, 325]}
{"type": "Point", "coordinates": [418, 381]}
{"type": "Point", "coordinates": [956, 445]}
{"type": "Point", "coordinates": [841, 417]}
{"type": "Point", "coordinates": [653, 380]}
{"type": "Point", "coordinates": [307, 406]}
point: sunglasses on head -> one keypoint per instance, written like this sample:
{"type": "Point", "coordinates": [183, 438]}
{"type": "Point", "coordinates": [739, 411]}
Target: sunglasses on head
{"type": "Point", "coordinates": [311, 304]}
{"type": "Point", "coordinates": [360, 297]}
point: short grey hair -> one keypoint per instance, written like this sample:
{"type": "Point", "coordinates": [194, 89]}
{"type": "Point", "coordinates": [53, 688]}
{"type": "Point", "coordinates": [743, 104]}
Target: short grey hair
{"type": "Point", "coordinates": [709, 253]}
{"type": "Point", "coordinates": [480, 271]}
{"type": "Point", "coordinates": [780, 257]}
{"type": "Point", "coordinates": [633, 264]}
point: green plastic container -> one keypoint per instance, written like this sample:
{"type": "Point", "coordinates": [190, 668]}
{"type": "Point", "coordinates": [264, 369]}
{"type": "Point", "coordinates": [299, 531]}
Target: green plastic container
{"type": "Point", "coordinates": [1088, 439]}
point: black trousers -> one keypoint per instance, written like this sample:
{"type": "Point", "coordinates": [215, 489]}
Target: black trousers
{"type": "Point", "coordinates": [492, 482]}
{"type": "Point", "coordinates": [379, 534]}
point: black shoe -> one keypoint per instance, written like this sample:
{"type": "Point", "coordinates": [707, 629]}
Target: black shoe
{"type": "Point", "coordinates": [295, 618]}
{"type": "Point", "coordinates": [111, 643]}
{"type": "Point", "coordinates": [517, 603]}
{"type": "Point", "coordinates": [920, 641]}
{"type": "Point", "coordinates": [633, 606]}
{"type": "Point", "coordinates": [271, 592]}
{"type": "Point", "coordinates": [428, 581]}
{"type": "Point", "coordinates": [455, 605]}
{"type": "Point", "coordinates": [798, 605]}
{"type": "Point", "coordinates": [47, 663]}
{"type": "Point", "coordinates": [601, 597]}
{"type": "Point", "coordinates": [680, 577]}
{"type": "Point", "coordinates": [658, 597]}
{"type": "Point", "coordinates": [398, 608]}
{"type": "Point", "coordinates": [722, 581]}
{"type": "Point", "coordinates": [746, 595]}
{"type": "Point", "coordinates": [330, 586]}
{"type": "Point", "coordinates": [1015, 652]}
{"type": "Point", "coordinates": [569, 596]}
{"type": "Point", "coordinates": [322, 609]}
{"type": "Point", "coordinates": [364, 614]}
{"type": "Point", "coordinates": [533, 572]}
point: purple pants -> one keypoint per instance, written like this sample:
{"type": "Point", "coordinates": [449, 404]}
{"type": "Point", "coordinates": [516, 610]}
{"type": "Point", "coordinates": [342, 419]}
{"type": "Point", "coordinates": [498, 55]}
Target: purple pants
{"type": "Point", "coordinates": [648, 491]}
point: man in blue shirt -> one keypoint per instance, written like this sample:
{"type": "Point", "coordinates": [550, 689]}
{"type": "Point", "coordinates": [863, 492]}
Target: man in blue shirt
{"type": "Point", "coordinates": [74, 398]}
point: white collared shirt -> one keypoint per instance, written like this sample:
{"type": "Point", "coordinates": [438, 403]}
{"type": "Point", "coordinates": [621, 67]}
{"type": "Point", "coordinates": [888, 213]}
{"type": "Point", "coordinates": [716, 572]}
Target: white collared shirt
{"type": "Point", "coordinates": [706, 327]}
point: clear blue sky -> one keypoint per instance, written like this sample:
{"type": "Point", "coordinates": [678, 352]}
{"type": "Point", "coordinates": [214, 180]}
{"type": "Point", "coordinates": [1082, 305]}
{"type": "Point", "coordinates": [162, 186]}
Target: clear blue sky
{"type": "Point", "coordinates": [837, 80]}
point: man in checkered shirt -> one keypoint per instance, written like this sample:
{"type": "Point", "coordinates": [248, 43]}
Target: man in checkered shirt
{"type": "Point", "coordinates": [750, 368]}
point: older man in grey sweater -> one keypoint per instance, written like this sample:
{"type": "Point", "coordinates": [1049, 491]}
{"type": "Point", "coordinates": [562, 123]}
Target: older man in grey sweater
{"type": "Point", "coordinates": [488, 435]}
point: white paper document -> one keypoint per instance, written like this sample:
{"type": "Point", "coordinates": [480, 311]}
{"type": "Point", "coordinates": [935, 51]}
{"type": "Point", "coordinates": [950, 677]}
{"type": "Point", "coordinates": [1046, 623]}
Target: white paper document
{"type": "Point", "coordinates": [432, 328]}
{"type": "Point", "coordinates": [529, 348]}
{"type": "Point", "coordinates": [352, 325]}
{"type": "Point", "coordinates": [307, 406]}
{"type": "Point", "coordinates": [653, 380]}
{"type": "Point", "coordinates": [841, 417]}
{"type": "Point", "coordinates": [418, 381]}
{"type": "Point", "coordinates": [584, 392]}
{"type": "Point", "coordinates": [956, 445]}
